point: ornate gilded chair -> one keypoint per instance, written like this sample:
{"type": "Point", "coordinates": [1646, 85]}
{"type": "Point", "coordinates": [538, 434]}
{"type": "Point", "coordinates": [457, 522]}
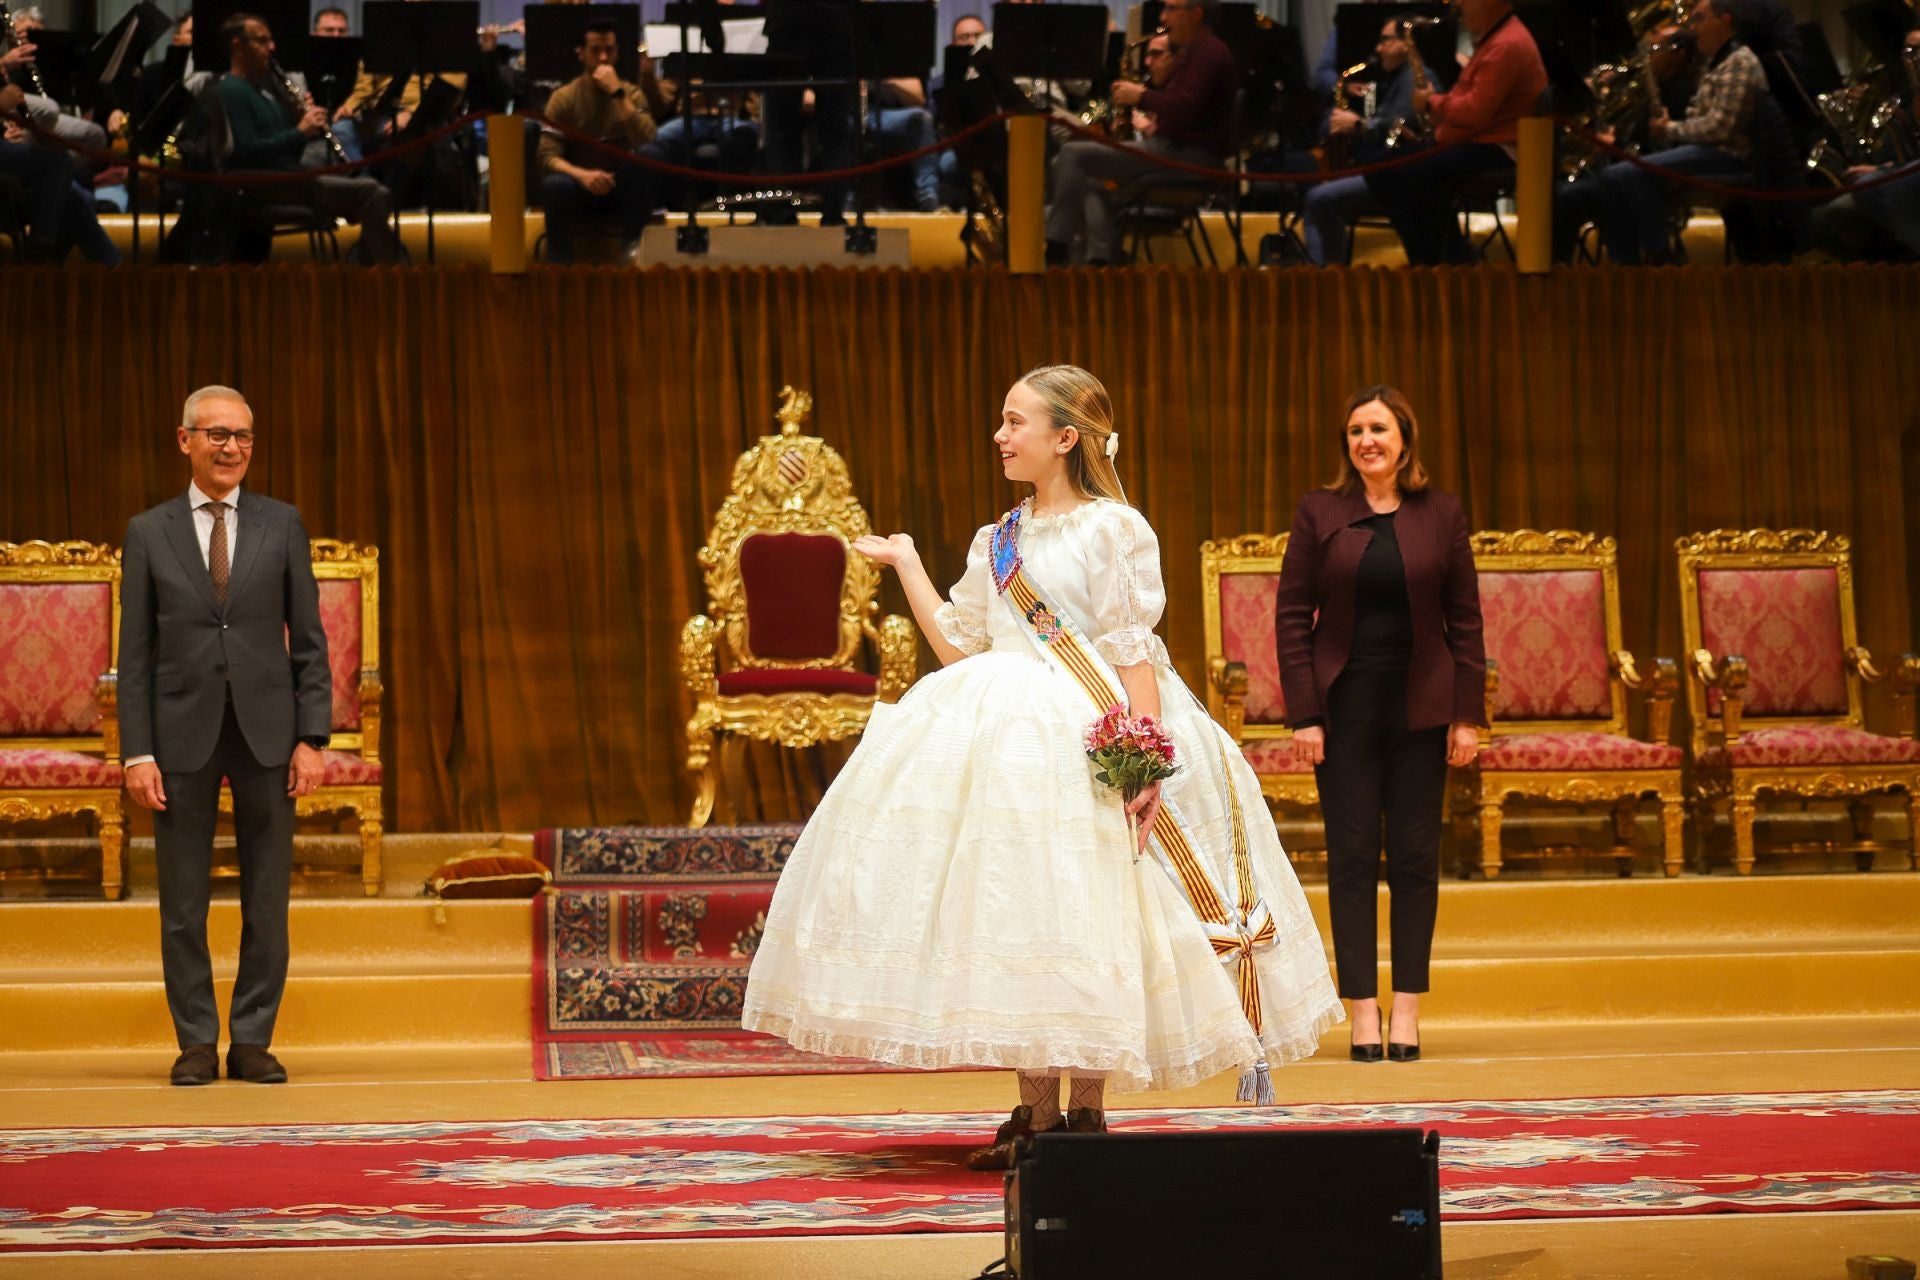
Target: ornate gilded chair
{"type": "Point", "coordinates": [59, 721]}
{"type": "Point", "coordinates": [1775, 669]}
{"type": "Point", "coordinates": [776, 656]}
{"type": "Point", "coordinates": [1557, 681]}
{"type": "Point", "coordinates": [349, 579]}
{"type": "Point", "coordinates": [1239, 581]}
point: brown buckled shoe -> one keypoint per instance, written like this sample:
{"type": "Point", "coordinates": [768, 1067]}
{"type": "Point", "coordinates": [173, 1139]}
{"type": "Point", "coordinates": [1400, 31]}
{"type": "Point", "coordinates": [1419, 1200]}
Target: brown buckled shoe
{"type": "Point", "coordinates": [1086, 1120]}
{"type": "Point", "coordinates": [197, 1064]}
{"type": "Point", "coordinates": [1016, 1129]}
{"type": "Point", "coordinates": [252, 1063]}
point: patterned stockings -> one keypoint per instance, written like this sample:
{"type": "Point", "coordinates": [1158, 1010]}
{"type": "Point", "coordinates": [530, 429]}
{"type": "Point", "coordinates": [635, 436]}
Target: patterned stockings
{"type": "Point", "coordinates": [1042, 1093]}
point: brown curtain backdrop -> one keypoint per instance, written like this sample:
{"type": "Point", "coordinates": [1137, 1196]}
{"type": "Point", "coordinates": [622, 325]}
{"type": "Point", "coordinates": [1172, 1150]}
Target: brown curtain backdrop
{"type": "Point", "coordinates": [538, 457]}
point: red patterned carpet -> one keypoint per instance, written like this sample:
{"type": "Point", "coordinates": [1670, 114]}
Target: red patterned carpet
{"type": "Point", "coordinates": [558, 1180]}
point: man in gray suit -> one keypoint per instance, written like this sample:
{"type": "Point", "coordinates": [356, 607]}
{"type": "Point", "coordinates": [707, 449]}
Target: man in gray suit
{"type": "Point", "coordinates": [223, 674]}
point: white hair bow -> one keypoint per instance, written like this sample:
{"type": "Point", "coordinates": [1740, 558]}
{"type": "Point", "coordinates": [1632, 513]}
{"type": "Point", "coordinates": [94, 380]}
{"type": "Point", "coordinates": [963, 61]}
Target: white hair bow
{"type": "Point", "coordinates": [1113, 444]}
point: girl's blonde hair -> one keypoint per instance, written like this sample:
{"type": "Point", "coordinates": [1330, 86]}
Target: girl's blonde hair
{"type": "Point", "coordinates": [1076, 399]}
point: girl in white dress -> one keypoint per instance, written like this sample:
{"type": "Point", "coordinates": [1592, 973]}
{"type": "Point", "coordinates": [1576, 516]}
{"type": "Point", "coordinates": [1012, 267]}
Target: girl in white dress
{"type": "Point", "coordinates": [967, 893]}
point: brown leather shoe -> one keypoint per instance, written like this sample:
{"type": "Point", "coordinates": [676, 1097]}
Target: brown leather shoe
{"type": "Point", "coordinates": [1086, 1120]}
{"type": "Point", "coordinates": [197, 1064]}
{"type": "Point", "coordinates": [1016, 1129]}
{"type": "Point", "coordinates": [252, 1063]}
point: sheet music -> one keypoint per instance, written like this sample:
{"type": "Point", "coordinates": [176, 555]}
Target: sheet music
{"type": "Point", "coordinates": [743, 35]}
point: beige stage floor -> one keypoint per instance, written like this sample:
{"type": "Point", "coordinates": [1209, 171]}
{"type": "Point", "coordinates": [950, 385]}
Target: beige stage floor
{"type": "Point", "coordinates": [1465, 1062]}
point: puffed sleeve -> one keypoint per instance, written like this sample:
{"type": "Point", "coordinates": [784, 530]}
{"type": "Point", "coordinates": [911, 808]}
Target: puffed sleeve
{"type": "Point", "coordinates": [1129, 594]}
{"type": "Point", "coordinates": [963, 618]}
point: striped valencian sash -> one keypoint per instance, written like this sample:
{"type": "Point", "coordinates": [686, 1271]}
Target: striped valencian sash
{"type": "Point", "coordinates": [1236, 927]}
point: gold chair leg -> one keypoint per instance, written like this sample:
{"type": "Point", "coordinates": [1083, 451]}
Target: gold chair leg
{"type": "Point", "coordinates": [1490, 839]}
{"type": "Point", "coordinates": [1743, 810]}
{"type": "Point", "coordinates": [700, 765]}
{"type": "Point", "coordinates": [1673, 828]}
{"type": "Point", "coordinates": [1626, 825]}
{"type": "Point", "coordinates": [113, 854]}
{"type": "Point", "coordinates": [371, 828]}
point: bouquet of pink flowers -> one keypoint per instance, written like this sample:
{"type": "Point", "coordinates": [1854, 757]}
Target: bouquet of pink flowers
{"type": "Point", "coordinates": [1131, 752]}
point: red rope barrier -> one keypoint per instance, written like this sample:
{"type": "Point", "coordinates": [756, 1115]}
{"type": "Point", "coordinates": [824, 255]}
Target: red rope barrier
{"type": "Point", "coordinates": [1235, 175]}
{"type": "Point", "coordinates": [256, 177]}
{"type": "Point", "coordinates": [623, 156]}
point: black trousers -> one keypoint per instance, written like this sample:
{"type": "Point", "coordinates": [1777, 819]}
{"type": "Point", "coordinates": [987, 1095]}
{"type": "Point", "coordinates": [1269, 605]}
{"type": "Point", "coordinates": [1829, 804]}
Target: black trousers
{"type": "Point", "coordinates": [183, 839]}
{"type": "Point", "coordinates": [1379, 777]}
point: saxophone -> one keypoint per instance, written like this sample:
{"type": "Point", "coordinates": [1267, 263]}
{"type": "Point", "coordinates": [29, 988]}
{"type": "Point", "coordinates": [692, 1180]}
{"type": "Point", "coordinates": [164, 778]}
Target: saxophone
{"type": "Point", "coordinates": [1412, 129]}
{"type": "Point", "coordinates": [1336, 152]}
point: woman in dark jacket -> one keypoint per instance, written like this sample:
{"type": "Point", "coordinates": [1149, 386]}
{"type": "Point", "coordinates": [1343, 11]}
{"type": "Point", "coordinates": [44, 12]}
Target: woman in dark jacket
{"type": "Point", "coordinates": [1383, 670]}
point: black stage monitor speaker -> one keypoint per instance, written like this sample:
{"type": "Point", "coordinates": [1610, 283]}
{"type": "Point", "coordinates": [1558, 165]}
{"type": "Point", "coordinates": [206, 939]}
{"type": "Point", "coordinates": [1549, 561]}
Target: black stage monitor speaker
{"type": "Point", "coordinates": [1315, 1204]}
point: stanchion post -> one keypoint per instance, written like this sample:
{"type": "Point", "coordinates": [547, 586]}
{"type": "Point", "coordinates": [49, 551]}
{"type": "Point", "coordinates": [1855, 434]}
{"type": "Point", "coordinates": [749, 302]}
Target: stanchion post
{"type": "Point", "coordinates": [507, 192]}
{"type": "Point", "coordinates": [1026, 194]}
{"type": "Point", "coordinates": [1533, 197]}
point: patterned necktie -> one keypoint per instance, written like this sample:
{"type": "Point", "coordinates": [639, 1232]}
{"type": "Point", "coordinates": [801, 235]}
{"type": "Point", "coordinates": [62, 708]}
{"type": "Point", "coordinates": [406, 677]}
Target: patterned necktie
{"type": "Point", "coordinates": [217, 551]}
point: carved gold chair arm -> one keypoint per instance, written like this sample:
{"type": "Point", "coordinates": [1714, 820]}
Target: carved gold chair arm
{"type": "Point", "coordinates": [1493, 687]}
{"type": "Point", "coordinates": [372, 692]}
{"type": "Point", "coordinates": [899, 656]}
{"type": "Point", "coordinates": [1729, 676]}
{"type": "Point", "coordinates": [699, 660]}
{"type": "Point", "coordinates": [107, 694]}
{"type": "Point", "coordinates": [1905, 677]}
{"type": "Point", "coordinates": [1661, 688]}
{"type": "Point", "coordinates": [1230, 679]}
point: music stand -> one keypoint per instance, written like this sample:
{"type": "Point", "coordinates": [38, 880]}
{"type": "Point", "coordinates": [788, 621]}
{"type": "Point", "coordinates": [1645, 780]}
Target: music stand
{"type": "Point", "coordinates": [1050, 42]}
{"type": "Point", "coordinates": [1881, 26]}
{"type": "Point", "coordinates": [286, 19]}
{"type": "Point", "coordinates": [1568, 44]}
{"type": "Point", "coordinates": [333, 68]}
{"type": "Point", "coordinates": [421, 37]}
{"type": "Point", "coordinates": [116, 56]}
{"type": "Point", "coordinates": [555, 33]}
{"type": "Point", "coordinates": [61, 64]}
{"type": "Point", "coordinates": [890, 41]}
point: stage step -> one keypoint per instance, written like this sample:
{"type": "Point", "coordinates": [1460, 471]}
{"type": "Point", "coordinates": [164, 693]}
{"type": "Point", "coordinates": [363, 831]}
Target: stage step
{"type": "Point", "coordinates": [387, 971]}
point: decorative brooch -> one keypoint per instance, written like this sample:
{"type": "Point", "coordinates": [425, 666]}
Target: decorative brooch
{"type": "Point", "coordinates": [1005, 548]}
{"type": "Point", "coordinates": [1044, 622]}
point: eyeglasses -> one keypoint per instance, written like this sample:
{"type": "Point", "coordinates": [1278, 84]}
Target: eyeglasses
{"type": "Point", "coordinates": [220, 436]}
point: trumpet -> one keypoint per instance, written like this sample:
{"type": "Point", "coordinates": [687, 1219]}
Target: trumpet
{"type": "Point", "coordinates": [300, 102]}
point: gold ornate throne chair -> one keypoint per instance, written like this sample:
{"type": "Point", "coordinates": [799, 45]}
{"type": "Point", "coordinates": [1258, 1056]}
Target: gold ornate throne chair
{"type": "Point", "coordinates": [1557, 681]}
{"type": "Point", "coordinates": [777, 656]}
{"type": "Point", "coordinates": [1239, 581]}
{"type": "Point", "coordinates": [349, 580]}
{"type": "Point", "coordinates": [1775, 670]}
{"type": "Point", "coordinates": [59, 709]}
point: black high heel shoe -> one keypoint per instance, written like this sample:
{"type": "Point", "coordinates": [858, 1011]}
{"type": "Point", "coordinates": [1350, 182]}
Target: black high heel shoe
{"type": "Point", "coordinates": [1403, 1052]}
{"type": "Point", "coordinates": [1364, 1052]}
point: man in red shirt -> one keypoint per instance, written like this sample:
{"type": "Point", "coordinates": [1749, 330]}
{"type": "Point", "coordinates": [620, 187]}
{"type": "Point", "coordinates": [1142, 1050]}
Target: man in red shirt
{"type": "Point", "coordinates": [1479, 117]}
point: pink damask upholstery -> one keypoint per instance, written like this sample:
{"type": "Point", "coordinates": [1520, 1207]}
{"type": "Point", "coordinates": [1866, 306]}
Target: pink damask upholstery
{"type": "Point", "coordinates": [1786, 624]}
{"type": "Point", "coordinates": [347, 769]}
{"type": "Point", "coordinates": [1548, 631]}
{"type": "Point", "coordinates": [1574, 752]}
{"type": "Point", "coordinates": [1273, 755]}
{"type": "Point", "coordinates": [1246, 635]}
{"type": "Point", "coordinates": [340, 615]}
{"type": "Point", "coordinates": [1812, 744]}
{"type": "Point", "coordinates": [37, 768]}
{"type": "Point", "coordinates": [58, 642]}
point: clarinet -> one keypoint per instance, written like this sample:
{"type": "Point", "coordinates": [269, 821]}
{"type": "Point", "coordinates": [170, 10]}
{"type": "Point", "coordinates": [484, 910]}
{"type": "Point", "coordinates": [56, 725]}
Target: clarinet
{"type": "Point", "coordinates": [299, 102]}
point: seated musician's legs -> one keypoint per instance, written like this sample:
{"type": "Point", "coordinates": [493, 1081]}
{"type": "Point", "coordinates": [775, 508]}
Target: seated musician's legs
{"type": "Point", "coordinates": [904, 129]}
{"type": "Point", "coordinates": [1637, 225]}
{"type": "Point", "coordinates": [348, 131]}
{"type": "Point", "coordinates": [562, 201]}
{"type": "Point", "coordinates": [1895, 207]}
{"type": "Point", "coordinates": [48, 176]}
{"type": "Point", "coordinates": [1327, 219]}
{"type": "Point", "coordinates": [368, 204]}
{"type": "Point", "coordinates": [1078, 175]}
{"type": "Point", "coordinates": [1575, 204]}
{"type": "Point", "coordinates": [1418, 197]}
{"type": "Point", "coordinates": [635, 193]}
{"type": "Point", "coordinates": [80, 229]}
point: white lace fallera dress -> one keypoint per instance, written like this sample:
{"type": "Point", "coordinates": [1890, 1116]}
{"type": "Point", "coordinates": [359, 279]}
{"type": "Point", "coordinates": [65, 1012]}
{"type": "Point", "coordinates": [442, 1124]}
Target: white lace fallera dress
{"type": "Point", "coordinates": [967, 893]}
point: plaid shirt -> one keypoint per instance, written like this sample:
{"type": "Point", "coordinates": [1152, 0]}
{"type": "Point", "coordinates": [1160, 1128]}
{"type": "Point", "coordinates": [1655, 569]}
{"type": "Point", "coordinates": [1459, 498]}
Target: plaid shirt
{"type": "Point", "coordinates": [1721, 111]}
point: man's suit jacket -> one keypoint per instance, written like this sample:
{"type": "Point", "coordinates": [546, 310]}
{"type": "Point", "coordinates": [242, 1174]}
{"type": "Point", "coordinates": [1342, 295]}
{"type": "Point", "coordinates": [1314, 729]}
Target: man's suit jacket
{"type": "Point", "coordinates": [1314, 611]}
{"type": "Point", "coordinates": [180, 651]}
